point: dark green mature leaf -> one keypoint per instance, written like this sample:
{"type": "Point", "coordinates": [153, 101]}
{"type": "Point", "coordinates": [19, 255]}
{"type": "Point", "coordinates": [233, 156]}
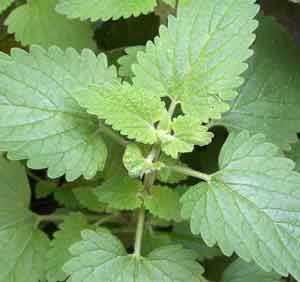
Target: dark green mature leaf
{"type": "Point", "coordinates": [131, 110]}
{"type": "Point", "coordinates": [101, 257]}
{"type": "Point", "coordinates": [39, 119]}
{"type": "Point", "coordinates": [22, 245]}
{"type": "Point", "coordinates": [36, 22]}
{"type": "Point", "coordinates": [241, 271]}
{"type": "Point", "coordinates": [67, 235]}
{"type": "Point", "coordinates": [251, 206]}
{"type": "Point", "coordinates": [199, 58]}
{"type": "Point", "coordinates": [269, 101]}
{"type": "Point", "coordinates": [86, 197]}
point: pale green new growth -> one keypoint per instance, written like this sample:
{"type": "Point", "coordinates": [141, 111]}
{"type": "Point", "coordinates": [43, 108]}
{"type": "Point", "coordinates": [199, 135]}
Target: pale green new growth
{"type": "Point", "coordinates": [121, 193]}
{"type": "Point", "coordinates": [163, 202]}
{"type": "Point", "coordinates": [251, 205]}
{"type": "Point", "coordinates": [22, 246]}
{"type": "Point", "coordinates": [67, 235]}
{"type": "Point", "coordinates": [241, 271]}
{"type": "Point", "coordinates": [128, 109]}
{"type": "Point", "coordinates": [39, 119]}
{"type": "Point", "coordinates": [136, 164]}
{"type": "Point", "coordinates": [101, 257]}
{"type": "Point", "coordinates": [36, 22]}
{"type": "Point", "coordinates": [269, 101]}
{"type": "Point", "coordinates": [199, 58]}
{"type": "Point", "coordinates": [104, 9]}
{"type": "Point", "coordinates": [4, 4]}
{"type": "Point", "coordinates": [187, 132]}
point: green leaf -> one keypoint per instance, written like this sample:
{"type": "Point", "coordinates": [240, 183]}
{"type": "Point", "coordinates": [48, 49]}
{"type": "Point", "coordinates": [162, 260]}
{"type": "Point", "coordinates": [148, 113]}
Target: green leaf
{"type": "Point", "coordinates": [4, 4]}
{"type": "Point", "coordinates": [104, 9]}
{"type": "Point", "coordinates": [86, 197]}
{"type": "Point", "coordinates": [294, 154]}
{"type": "Point", "coordinates": [36, 22]}
{"type": "Point", "coordinates": [137, 164]}
{"type": "Point", "coordinates": [126, 62]}
{"type": "Point", "coordinates": [164, 203]}
{"type": "Point", "coordinates": [101, 257]}
{"type": "Point", "coordinates": [44, 188]}
{"type": "Point", "coordinates": [187, 132]}
{"type": "Point", "coordinates": [22, 244]}
{"type": "Point", "coordinates": [131, 110]}
{"type": "Point", "coordinates": [65, 197]}
{"type": "Point", "coordinates": [154, 240]}
{"type": "Point", "coordinates": [67, 235]}
{"type": "Point", "coordinates": [241, 271]}
{"type": "Point", "coordinates": [121, 193]}
{"type": "Point", "coordinates": [40, 121]}
{"type": "Point", "coordinates": [251, 206]}
{"type": "Point", "coordinates": [269, 101]}
{"type": "Point", "coordinates": [182, 235]}
{"type": "Point", "coordinates": [199, 58]}
{"type": "Point", "coordinates": [167, 175]}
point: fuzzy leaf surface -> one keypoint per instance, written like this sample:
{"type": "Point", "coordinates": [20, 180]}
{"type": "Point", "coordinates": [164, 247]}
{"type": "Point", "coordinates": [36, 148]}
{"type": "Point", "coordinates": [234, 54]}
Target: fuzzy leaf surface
{"type": "Point", "coordinates": [22, 245]}
{"type": "Point", "coordinates": [130, 110]}
{"type": "Point", "coordinates": [120, 192]}
{"type": "Point", "coordinates": [163, 202]}
{"type": "Point", "coordinates": [137, 164]}
{"type": "Point", "coordinates": [101, 257]}
{"type": "Point", "coordinates": [269, 101]}
{"type": "Point", "coordinates": [187, 132]}
{"type": "Point", "coordinates": [251, 205]}
{"type": "Point", "coordinates": [104, 9]}
{"type": "Point", "coordinates": [67, 235]}
{"type": "Point", "coordinates": [199, 58]}
{"type": "Point", "coordinates": [36, 22]}
{"type": "Point", "coordinates": [241, 271]}
{"type": "Point", "coordinates": [39, 119]}
{"type": "Point", "coordinates": [86, 197]}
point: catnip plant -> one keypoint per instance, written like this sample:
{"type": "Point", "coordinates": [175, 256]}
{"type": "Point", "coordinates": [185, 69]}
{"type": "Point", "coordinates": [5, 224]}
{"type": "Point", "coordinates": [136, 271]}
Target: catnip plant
{"type": "Point", "coordinates": [113, 139]}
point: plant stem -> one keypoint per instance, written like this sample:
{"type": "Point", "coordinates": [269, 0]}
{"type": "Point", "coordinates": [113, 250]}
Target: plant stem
{"type": "Point", "coordinates": [139, 232]}
{"type": "Point", "coordinates": [106, 218]}
{"type": "Point", "coordinates": [34, 177]}
{"type": "Point", "coordinates": [190, 172]}
{"type": "Point", "coordinates": [113, 135]}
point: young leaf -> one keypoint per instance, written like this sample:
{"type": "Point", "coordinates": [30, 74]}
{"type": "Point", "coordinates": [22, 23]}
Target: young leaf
{"type": "Point", "coordinates": [36, 22]}
{"type": "Point", "coordinates": [44, 188]}
{"type": "Point", "coordinates": [126, 62]}
{"type": "Point", "coordinates": [104, 9]}
{"type": "Point", "coordinates": [164, 203]}
{"type": "Point", "coordinates": [241, 271]}
{"type": "Point", "coordinates": [40, 121]}
{"type": "Point", "coordinates": [199, 58]}
{"type": "Point", "coordinates": [101, 257]}
{"type": "Point", "coordinates": [251, 205]}
{"type": "Point", "coordinates": [187, 133]}
{"type": "Point", "coordinates": [131, 110]}
{"type": "Point", "coordinates": [67, 235]}
{"type": "Point", "coordinates": [87, 198]}
{"type": "Point", "coordinates": [120, 192]}
{"type": "Point", "coordinates": [137, 164]}
{"type": "Point", "coordinates": [294, 154]}
{"type": "Point", "coordinates": [269, 101]}
{"type": "Point", "coordinates": [4, 4]}
{"type": "Point", "coordinates": [65, 197]}
{"type": "Point", "coordinates": [22, 245]}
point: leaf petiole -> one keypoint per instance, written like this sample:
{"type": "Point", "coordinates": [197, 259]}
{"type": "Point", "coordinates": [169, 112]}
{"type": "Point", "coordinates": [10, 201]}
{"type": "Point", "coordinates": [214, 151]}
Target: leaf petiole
{"type": "Point", "coordinates": [190, 172]}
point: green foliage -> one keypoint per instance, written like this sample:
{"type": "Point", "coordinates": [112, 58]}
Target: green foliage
{"type": "Point", "coordinates": [22, 246]}
{"type": "Point", "coordinates": [36, 22]}
{"type": "Point", "coordinates": [67, 235]}
{"type": "Point", "coordinates": [99, 249]}
{"type": "Point", "coordinates": [46, 125]}
{"type": "Point", "coordinates": [137, 144]}
{"type": "Point", "coordinates": [250, 205]}
{"type": "Point", "coordinates": [240, 271]}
